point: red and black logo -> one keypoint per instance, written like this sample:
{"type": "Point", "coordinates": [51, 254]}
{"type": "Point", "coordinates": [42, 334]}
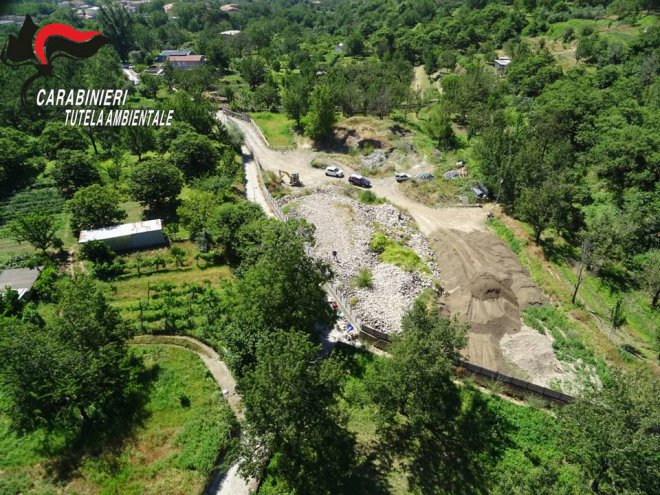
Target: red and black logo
{"type": "Point", "coordinates": [40, 47]}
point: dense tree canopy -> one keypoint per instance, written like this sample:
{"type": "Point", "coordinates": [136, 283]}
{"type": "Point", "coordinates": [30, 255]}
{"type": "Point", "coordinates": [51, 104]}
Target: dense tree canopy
{"type": "Point", "coordinates": [73, 371]}
{"type": "Point", "coordinates": [94, 207]}
{"type": "Point", "coordinates": [292, 412]}
{"type": "Point", "coordinates": [420, 409]}
{"type": "Point", "coordinates": [194, 154]}
{"type": "Point", "coordinates": [74, 170]}
{"type": "Point", "coordinates": [156, 183]}
{"type": "Point", "coordinates": [614, 433]}
{"type": "Point", "coordinates": [38, 229]}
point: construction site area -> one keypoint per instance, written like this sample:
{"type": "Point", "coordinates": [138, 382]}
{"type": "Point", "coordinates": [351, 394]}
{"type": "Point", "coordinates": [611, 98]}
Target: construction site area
{"type": "Point", "coordinates": [448, 252]}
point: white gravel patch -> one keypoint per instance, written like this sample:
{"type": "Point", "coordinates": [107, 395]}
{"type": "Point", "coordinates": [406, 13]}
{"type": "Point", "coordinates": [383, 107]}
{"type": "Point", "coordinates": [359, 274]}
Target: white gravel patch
{"type": "Point", "coordinates": [346, 226]}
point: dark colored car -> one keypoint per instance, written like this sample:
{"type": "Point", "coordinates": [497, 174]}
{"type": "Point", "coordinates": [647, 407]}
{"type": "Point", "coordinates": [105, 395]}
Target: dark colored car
{"type": "Point", "coordinates": [358, 180]}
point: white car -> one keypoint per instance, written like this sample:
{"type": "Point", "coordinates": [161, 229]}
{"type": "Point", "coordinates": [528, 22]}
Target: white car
{"type": "Point", "coordinates": [334, 172]}
{"type": "Point", "coordinates": [401, 177]}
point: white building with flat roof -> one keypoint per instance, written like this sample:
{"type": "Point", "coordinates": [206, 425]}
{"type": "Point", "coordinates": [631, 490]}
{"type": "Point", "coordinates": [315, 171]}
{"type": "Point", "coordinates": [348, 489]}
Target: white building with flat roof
{"type": "Point", "coordinates": [128, 236]}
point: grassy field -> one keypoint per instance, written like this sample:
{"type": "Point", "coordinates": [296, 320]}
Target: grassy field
{"type": "Point", "coordinates": [277, 128]}
{"type": "Point", "coordinates": [188, 424]}
{"type": "Point", "coordinates": [160, 296]}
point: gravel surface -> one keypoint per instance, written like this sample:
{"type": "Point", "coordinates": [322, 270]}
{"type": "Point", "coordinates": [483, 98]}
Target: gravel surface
{"type": "Point", "coordinates": [346, 226]}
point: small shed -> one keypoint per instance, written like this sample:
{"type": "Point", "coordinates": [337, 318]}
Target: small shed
{"type": "Point", "coordinates": [19, 279]}
{"type": "Point", "coordinates": [501, 63]}
{"type": "Point", "coordinates": [128, 236]}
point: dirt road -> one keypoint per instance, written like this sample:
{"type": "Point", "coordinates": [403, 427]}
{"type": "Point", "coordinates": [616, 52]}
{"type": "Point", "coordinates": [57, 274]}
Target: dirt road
{"type": "Point", "coordinates": [485, 283]}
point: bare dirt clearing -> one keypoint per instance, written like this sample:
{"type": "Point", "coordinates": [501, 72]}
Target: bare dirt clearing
{"type": "Point", "coordinates": [485, 283]}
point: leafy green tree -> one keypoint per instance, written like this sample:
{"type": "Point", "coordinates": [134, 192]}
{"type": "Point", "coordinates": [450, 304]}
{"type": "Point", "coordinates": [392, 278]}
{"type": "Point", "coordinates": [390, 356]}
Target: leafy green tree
{"type": "Point", "coordinates": [74, 170]}
{"type": "Point", "coordinates": [149, 85]}
{"type": "Point", "coordinates": [439, 127]}
{"type": "Point", "coordinates": [73, 373]}
{"type": "Point", "coordinates": [253, 69]}
{"type": "Point", "coordinates": [227, 221]}
{"type": "Point", "coordinates": [10, 304]}
{"type": "Point", "coordinates": [139, 139]}
{"type": "Point", "coordinates": [57, 136]}
{"type": "Point", "coordinates": [447, 60]}
{"type": "Point", "coordinates": [17, 149]}
{"type": "Point", "coordinates": [420, 412]}
{"type": "Point", "coordinates": [624, 154]}
{"type": "Point", "coordinates": [355, 44]}
{"type": "Point", "coordinates": [95, 207]}
{"type": "Point", "coordinates": [117, 25]}
{"type": "Point", "coordinates": [156, 183]}
{"type": "Point", "coordinates": [280, 288]}
{"type": "Point", "coordinates": [613, 432]}
{"type": "Point", "coordinates": [159, 261]}
{"type": "Point", "coordinates": [532, 71]}
{"type": "Point", "coordinates": [178, 255]}
{"type": "Point", "coordinates": [45, 286]}
{"type": "Point", "coordinates": [195, 155]}
{"type": "Point", "coordinates": [647, 274]}
{"type": "Point", "coordinates": [168, 74]}
{"type": "Point", "coordinates": [116, 167]}
{"type": "Point", "coordinates": [195, 110]}
{"type": "Point", "coordinates": [465, 94]}
{"type": "Point", "coordinates": [38, 229]}
{"type": "Point", "coordinates": [97, 252]}
{"type": "Point", "coordinates": [267, 97]}
{"type": "Point", "coordinates": [549, 205]}
{"type": "Point", "coordinates": [217, 54]}
{"type": "Point", "coordinates": [321, 119]}
{"type": "Point", "coordinates": [196, 211]}
{"type": "Point", "coordinates": [303, 428]}
{"type": "Point", "coordinates": [167, 134]}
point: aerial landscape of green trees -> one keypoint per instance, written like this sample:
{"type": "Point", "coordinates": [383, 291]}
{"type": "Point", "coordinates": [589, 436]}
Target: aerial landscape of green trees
{"type": "Point", "coordinates": [566, 139]}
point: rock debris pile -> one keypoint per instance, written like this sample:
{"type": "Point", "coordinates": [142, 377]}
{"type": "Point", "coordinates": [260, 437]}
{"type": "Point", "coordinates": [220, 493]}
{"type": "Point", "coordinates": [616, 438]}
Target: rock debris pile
{"type": "Point", "coordinates": [346, 226]}
{"type": "Point", "coordinates": [375, 160]}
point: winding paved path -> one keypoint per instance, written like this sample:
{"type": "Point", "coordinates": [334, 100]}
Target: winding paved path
{"type": "Point", "coordinates": [232, 483]}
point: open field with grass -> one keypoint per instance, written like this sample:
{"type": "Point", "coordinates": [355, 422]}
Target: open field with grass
{"type": "Point", "coordinates": [277, 128]}
{"type": "Point", "coordinates": [187, 424]}
{"type": "Point", "coordinates": [164, 299]}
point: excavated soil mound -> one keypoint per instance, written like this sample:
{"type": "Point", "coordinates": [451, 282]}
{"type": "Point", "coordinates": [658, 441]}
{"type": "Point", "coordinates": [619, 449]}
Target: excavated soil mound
{"type": "Point", "coordinates": [487, 286]}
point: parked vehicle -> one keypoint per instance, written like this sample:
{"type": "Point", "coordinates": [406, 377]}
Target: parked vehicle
{"type": "Point", "coordinates": [480, 191]}
{"type": "Point", "coordinates": [358, 180]}
{"type": "Point", "coordinates": [334, 172]}
{"type": "Point", "coordinates": [401, 177]}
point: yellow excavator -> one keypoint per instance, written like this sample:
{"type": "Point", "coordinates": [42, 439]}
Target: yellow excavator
{"type": "Point", "coordinates": [294, 179]}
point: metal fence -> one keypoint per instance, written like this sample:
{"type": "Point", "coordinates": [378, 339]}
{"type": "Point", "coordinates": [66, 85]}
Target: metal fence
{"type": "Point", "coordinates": [517, 384]}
